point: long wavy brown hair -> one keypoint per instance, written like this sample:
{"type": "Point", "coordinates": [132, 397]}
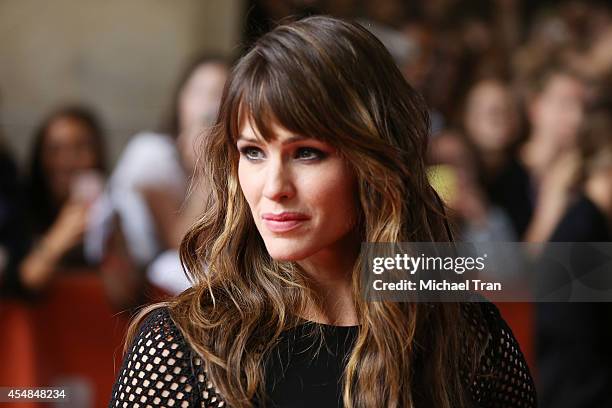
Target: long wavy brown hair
{"type": "Point", "coordinates": [332, 80]}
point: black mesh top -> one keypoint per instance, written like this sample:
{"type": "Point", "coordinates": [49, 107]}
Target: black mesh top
{"type": "Point", "coordinates": [161, 370]}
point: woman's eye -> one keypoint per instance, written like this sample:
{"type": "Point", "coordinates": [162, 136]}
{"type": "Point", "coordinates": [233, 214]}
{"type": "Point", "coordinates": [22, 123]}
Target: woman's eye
{"type": "Point", "coordinates": [252, 153]}
{"type": "Point", "coordinates": [309, 153]}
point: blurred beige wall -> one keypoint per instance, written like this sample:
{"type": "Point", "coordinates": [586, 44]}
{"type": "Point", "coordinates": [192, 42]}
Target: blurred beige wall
{"type": "Point", "coordinates": [120, 57]}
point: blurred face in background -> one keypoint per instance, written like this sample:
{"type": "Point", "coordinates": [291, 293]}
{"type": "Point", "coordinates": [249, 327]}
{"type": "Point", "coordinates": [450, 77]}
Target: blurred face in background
{"type": "Point", "coordinates": [491, 116]}
{"type": "Point", "coordinates": [455, 176]}
{"type": "Point", "coordinates": [450, 149]}
{"type": "Point", "coordinates": [198, 105]}
{"type": "Point", "coordinates": [68, 150]}
{"type": "Point", "coordinates": [557, 111]}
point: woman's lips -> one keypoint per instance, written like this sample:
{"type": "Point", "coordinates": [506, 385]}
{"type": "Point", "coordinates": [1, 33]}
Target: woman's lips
{"type": "Point", "coordinates": [284, 222]}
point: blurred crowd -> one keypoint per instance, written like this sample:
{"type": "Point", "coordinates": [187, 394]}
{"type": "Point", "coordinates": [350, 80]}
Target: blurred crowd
{"type": "Point", "coordinates": [520, 95]}
{"type": "Point", "coordinates": [70, 214]}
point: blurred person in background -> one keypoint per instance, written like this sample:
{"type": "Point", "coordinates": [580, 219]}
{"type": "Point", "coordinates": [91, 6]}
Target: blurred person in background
{"type": "Point", "coordinates": [455, 177]}
{"type": "Point", "coordinates": [593, 56]}
{"type": "Point", "coordinates": [577, 32]}
{"type": "Point", "coordinates": [194, 110]}
{"type": "Point", "coordinates": [595, 171]}
{"type": "Point", "coordinates": [555, 109]}
{"type": "Point", "coordinates": [491, 125]}
{"type": "Point", "coordinates": [149, 206]}
{"type": "Point", "coordinates": [262, 15]}
{"type": "Point", "coordinates": [456, 43]}
{"type": "Point", "coordinates": [66, 168]}
{"type": "Point", "coordinates": [432, 67]}
{"type": "Point", "coordinates": [573, 340]}
{"type": "Point", "coordinates": [13, 241]}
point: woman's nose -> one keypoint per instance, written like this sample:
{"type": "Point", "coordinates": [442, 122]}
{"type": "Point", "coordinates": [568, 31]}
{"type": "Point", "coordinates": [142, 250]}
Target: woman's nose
{"type": "Point", "coordinates": [278, 184]}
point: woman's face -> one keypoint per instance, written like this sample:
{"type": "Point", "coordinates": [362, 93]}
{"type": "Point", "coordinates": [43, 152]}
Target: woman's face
{"type": "Point", "coordinates": [198, 105]}
{"type": "Point", "coordinates": [556, 113]}
{"type": "Point", "coordinates": [199, 99]}
{"type": "Point", "coordinates": [490, 116]}
{"type": "Point", "coordinates": [68, 150]}
{"type": "Point", "coordinates": [301, 193]}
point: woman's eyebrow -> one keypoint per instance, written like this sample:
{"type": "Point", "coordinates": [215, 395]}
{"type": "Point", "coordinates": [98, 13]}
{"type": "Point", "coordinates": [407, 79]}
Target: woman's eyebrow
{"type": "Point", "coordinates": [292, 139]}
{"type": "Point", "coordinates": [249, 139]}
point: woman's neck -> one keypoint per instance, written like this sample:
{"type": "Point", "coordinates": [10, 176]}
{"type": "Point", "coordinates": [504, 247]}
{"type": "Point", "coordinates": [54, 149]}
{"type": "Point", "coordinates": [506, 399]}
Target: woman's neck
{"type": "Point", "coordinates": [334, 306]}
{"type": "Point", "coordinates": [331, 272]}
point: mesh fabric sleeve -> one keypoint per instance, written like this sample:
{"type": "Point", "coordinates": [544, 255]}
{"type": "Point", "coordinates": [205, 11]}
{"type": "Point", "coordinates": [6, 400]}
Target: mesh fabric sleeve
{"type": "Point", "coordinates": [503, 379]}
{"type": "Point", "coordinates": [161, 370]}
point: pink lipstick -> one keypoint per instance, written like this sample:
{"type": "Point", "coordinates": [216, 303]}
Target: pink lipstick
{"type": "Point", "coordinates": [284, 222]}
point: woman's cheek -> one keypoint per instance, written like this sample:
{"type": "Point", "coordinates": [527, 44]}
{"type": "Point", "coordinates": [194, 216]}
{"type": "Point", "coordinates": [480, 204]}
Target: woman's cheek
{"type": "Point", "coordinates": [334, 190]}
{"type": "Point", "coordinates": [246, 179]}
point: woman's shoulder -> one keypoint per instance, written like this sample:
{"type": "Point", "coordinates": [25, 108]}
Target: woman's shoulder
{"type": "Point", "coordinates": [502, 377]}
{"type": "Point", "coordinates": [160, 368]}
{"type": "Point", "coordinates": [158, 327]}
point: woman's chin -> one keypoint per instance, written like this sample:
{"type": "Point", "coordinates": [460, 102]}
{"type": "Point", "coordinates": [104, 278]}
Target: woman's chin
{"type": "Point", "coordinates": [287, 257]}
{"type": "Point", "coordinates": [289, 254]}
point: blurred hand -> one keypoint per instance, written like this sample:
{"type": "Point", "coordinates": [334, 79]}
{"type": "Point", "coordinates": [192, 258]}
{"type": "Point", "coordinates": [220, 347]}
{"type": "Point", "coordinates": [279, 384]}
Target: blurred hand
{"type": "Point", "coordinates": [68, 229]}
{"type": "Point", "coordinates": [87, 186]}
{"type": "Point", "coordinates": [562, 175]}
{"type": "Point", "coordinates": [40, 265]}
{"type": "Point", "coordinates": [554, 196]}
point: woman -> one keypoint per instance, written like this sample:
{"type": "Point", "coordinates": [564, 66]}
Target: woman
{"type": "Point", "coordinates": [12, 232]}
{"type": "Point", "coordinates": [147, 189]}
{"type": "Point", "coordinates": [555, 110]}
{"type": "Point", "coordinates": [490, 124]}
{"type": "Point", "coordinates": [573, 356]}
{"type": "Point", "coordinates": [67, 161]}
{"type": "Point", "coordinates": [319, 145]}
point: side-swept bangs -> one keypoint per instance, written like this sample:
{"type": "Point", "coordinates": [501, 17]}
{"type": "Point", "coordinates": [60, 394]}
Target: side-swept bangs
{"type": "Point", "coordinates": [288, 80]}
